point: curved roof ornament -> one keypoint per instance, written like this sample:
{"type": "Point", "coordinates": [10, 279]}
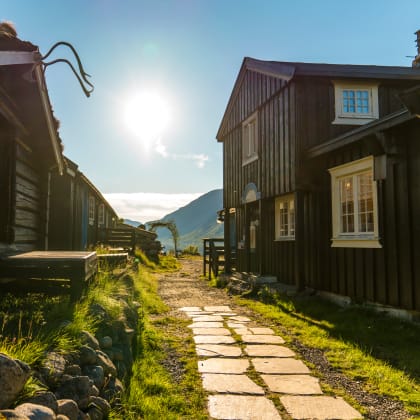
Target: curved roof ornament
{"type": "Point", "coordinates": [81, 76]}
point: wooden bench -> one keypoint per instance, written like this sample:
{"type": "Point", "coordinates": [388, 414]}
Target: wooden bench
{"type": "Point", "coordinates": [73, 267]}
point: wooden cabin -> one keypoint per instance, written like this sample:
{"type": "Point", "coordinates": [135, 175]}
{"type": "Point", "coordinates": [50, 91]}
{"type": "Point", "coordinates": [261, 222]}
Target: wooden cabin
{"type": "Point", "coordinates": [78, 211]}
{"type": "Point", "coordinates": [29, 148]}
{"type": "Point", "coordinates": [321, 178]}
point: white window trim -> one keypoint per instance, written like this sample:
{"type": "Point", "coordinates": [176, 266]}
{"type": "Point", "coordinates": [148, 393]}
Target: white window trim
{"type": "Point", "coordinates": [359, 240]}
{"type": "Point", "coordinates": [342, 117]}
{"type": "Point", "coordinates": [285, 198]}
{"type": "Point", "coordinates": [254, 156]}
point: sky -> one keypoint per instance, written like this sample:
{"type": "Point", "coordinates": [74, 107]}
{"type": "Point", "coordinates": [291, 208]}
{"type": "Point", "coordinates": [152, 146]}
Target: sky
{"type": "Point", "coordinates": [163, 72]}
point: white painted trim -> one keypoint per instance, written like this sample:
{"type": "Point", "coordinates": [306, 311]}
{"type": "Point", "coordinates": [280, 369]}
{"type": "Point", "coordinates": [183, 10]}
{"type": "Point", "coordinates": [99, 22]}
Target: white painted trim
{"type": "Point", "coordinates": [253, 118]}
{"type": "Point", "coordinates": [9, 58]}
{"type": "Point", "coordinates": [282, 199]}
{"type": "Point", "coordinates": [353, 240]}
{"type": "Point", "coordinates": [355, 118]}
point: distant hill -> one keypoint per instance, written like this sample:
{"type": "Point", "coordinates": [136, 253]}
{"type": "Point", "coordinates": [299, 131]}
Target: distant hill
{"type": "Point", "coordinates": [131, 222]}
{"type": "Point", "coordinates": [195, 221]}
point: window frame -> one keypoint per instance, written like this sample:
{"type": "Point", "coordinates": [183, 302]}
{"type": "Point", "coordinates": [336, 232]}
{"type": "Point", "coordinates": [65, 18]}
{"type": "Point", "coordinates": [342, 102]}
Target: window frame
{"type": "Point", "coordinates": [91, 210]}
{"type": "Point", "coordinates": [355, 118]}
{"type": "Point", "coordinates": [101, 214]}
{"type": "Point", "coordinates": [291, 227]}
{"type": "Point", "coordinates": [355, 239]}
{"type": "Point", "coordinates": [252, 152]}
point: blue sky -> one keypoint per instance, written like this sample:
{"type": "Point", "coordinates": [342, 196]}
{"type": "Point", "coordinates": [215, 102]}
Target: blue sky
{"type": "Point", "coordinates": [189, 53]}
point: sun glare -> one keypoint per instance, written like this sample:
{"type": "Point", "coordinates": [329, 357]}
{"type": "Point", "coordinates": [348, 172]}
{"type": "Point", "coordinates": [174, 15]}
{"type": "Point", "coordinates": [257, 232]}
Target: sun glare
{"type": "Point", "coordinates": [146, 115]}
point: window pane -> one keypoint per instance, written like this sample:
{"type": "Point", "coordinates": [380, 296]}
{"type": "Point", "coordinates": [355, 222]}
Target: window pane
{"type": "Point", "coordinates": [356, 101]}
{"type": "Point", "coordinates": [286, 218]}
{"type": "Point", "coordinates": [365, 187]}
{"type": "Point", "coordinates": [347, 205]}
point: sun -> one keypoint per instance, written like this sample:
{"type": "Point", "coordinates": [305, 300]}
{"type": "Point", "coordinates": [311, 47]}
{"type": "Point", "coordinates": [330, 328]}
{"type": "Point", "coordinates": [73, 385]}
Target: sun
{"type": "Point", "coordinates": [146, 116]}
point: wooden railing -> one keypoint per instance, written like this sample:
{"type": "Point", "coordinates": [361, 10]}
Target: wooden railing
{"type": "Point", "coordinates": [213, 256]}
{"type": "Point", "coordinates": [120, 238]}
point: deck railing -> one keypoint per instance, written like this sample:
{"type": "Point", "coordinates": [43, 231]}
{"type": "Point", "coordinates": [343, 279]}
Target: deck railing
{"type": "Point", "coordinates": [213, 256]}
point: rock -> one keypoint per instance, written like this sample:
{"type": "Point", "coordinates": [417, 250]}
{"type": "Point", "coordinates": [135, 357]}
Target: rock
{"type": "Point", "coordinates": [75, 388]}
{"type": "Point", "coordinates": [101, 403]}
{"type": "Point", "coordinates": [62, 417]}
{"type": "Point", "coordinates": [73, 370]}
{"type": "Point", "coordinates": [14, 375]}
{"type": "Point", "coordinates": [109, 353]}
{"type": "Point", "coordinates": [53, 367]}
{"type": "Point", "coordinates": [94, 391]}
{"type": "Point", "coordinates": [118, 354]}
{"type": "Point", "coordinates": [68, 408]}
{"type": "Point", "coordinates": [96, 373]}
{"type": "Point", "coordinates": [105, 342]}
{"type": "Point", "coordinates": [45, 398]}
{"type": "Point", "coordinates": [113, 389]}
{"type": "Point", "coordinates": [121, 369]}
{"type": "Point", "coordinates": [95, 413]}
{"type": "Point", "coordinates": [83, 416]}
{"type": "Point", "coordinates": [103, 360]}
{"type": "Point", "coordinates": [87, 355]}
{"type": "Point", "coordinates": [89, 339]}
{"type": "Point", "coordinates": [11, 415]}
{"type": "Point", "coordinates": [35, 411]}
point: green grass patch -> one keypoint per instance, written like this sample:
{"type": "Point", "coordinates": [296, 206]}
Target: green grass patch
{"type": "Point", "coordinates": [165, 382]}
{"type": "Point", "coordinates": [379, 351]}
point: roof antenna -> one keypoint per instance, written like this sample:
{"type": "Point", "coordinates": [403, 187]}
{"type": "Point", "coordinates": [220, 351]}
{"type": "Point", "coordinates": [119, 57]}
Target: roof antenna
{"type": "Point", "coordinates": [83, 75]}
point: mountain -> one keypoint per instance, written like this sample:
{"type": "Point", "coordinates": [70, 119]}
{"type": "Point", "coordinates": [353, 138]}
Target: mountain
{"type": "Point", "coordinates": [195, 221]}
{"type": "Point", "coordinates": [131, 222]}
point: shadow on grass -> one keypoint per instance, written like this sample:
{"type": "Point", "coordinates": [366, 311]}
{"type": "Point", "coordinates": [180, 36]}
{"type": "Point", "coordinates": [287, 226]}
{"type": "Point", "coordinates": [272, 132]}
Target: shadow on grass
{"type": "Point", "coordinates": [395, 341]}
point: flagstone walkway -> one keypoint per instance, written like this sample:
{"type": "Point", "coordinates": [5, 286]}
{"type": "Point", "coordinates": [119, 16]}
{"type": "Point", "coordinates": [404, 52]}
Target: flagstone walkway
{"type": "Point", "coordinates": [249, 373]}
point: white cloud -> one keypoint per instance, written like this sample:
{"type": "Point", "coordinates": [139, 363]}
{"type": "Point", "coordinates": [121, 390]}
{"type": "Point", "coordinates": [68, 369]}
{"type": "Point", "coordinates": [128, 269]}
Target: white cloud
{"type": "Point", "coordinates": [145, 207]}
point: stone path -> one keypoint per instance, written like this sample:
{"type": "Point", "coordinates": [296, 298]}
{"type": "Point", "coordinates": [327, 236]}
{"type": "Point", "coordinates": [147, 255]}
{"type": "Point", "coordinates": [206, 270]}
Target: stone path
{"type": "Point", "coordinates": [242, 364]}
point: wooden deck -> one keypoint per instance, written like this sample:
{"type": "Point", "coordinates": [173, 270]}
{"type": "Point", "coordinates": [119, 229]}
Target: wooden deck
{"type": "Point", "coordinates": [76, 267]}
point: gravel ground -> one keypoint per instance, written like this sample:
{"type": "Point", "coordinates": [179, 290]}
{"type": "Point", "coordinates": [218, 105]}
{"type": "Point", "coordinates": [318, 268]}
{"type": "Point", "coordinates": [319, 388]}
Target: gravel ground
{"type": "Point", "coordinates": [183, 288]}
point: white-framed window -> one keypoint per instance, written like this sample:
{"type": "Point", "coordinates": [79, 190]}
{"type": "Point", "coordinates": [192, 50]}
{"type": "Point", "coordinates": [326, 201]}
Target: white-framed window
{"type": "Point", "coordinates": [250, 139]}
{"type": "Point", "coordinates": [355, 103]}
{"type": "Point", "coordinates": [101, 214]}
{"type": "Point", "coordinates": [354, 205]}
{"type": "Point", "coordinates": [91, 210]}
{"type": "Point", "coordinates": [285, 217]}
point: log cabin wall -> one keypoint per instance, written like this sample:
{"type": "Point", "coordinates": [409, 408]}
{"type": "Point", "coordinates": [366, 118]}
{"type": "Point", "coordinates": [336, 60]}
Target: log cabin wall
{"type": "Point", "coordinates": [31, 187]}
{"type": "Point", "coordinates": [389, 275]}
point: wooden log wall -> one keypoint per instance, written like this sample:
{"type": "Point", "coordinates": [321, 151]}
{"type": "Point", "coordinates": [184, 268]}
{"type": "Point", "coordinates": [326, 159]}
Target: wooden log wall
{"type": "Point", "coordinates": [30, 202]}
{"type": "Point", "coordinates": [390, 275]}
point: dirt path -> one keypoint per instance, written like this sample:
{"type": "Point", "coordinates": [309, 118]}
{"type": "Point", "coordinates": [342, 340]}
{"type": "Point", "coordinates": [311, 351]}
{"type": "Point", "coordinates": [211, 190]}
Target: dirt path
{"type": "Point", "coordinates": [184, 288]}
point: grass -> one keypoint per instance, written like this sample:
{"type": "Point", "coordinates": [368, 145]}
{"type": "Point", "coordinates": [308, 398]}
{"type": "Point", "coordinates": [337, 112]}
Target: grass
{"type": "Point", "coordinates": [165, 382]}
{"type": "Point", "coordinates": [379, 351]}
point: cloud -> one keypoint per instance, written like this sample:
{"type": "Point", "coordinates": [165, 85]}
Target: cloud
{"type": "Point", "coordinates": [200, 159]}
{"type": "Point", "coordinates": [145, 207]}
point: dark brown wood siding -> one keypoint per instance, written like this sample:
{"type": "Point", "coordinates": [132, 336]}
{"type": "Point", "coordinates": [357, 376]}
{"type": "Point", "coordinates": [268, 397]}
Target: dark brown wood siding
{"type": "Point", "coordinates": [390, 275]}
{"type": "Point", "coordinates": [30, 201]}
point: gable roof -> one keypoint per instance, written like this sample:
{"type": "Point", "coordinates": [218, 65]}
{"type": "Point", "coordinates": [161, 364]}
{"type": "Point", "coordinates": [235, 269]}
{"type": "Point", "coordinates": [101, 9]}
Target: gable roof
{"type": "Point", "coordinates": [289, 70]}
{"type": "Point", "coordinates": [24, 83]}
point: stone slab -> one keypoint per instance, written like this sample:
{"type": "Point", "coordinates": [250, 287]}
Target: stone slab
{"type": "Point", "coordinates": [268, 350]}
{"type": "Point", "coordinates": [217, 309]}
{"type": "Point", "coordinates": [195, 314]}
{"type": "Point", "coordinates": [261, 330]}
{"type": "Point", "coordinates": [207, 318]}
{"type": "Point", "coordinates": [262, 339]}
{"type": "Point", "coordinates": [231, 407]}
{"type": "Point", "coordinates": [236, 325]}
{"type": "Point", "coordinates": [319, 407]}
{"type": "Point", "coordinates": [225, 313]}
{"type": "Point", "coordinates": [284, 365]}
{"type": "Point", "coordinates": [230, 384]}
{"type": "Point", "coordinates": [242, 331]}
{"type": "Point", "coordinates": [190, 309]}
{"type": "Point", "coordinates": [213, 339]}
{"type": "Point", "coordinates": [240, 318]}
{"type": "Point", "coordinates": [218, 350]}
{"type": "Point", "coordinates": [201, 324]}
{"type": "Point", "coordinates": [211, 331]}
{"type": "Point", "coordinates": [293, 384]}
{"type": "Point", "coordinates": [219, 365]}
